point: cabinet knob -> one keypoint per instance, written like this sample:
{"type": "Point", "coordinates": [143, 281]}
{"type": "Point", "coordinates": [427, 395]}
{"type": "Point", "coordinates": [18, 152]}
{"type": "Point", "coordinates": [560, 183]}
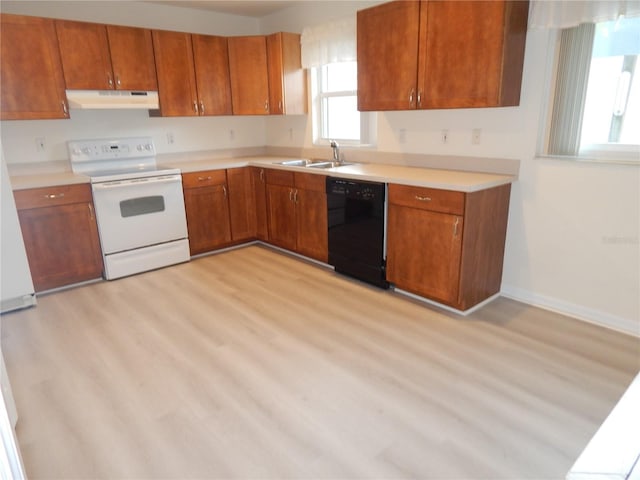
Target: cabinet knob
{"type": "Point", "coordinates": [423, 199]}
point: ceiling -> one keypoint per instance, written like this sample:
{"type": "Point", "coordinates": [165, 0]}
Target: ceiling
{"type": "Point", "coordinates": [249, 8]}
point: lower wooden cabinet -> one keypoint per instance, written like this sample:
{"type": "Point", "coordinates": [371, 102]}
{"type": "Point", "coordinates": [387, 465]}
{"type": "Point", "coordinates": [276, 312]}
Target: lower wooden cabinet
{"type": "Point", "coordinates": [259, 182]}
{"type": "Point", "coordinates": [60, 235]}
{"type": "Point", "coordinates": [242, 205]}
{"type": "Point", "coordinates": [207, 207]}
{"type": "Point", "coordinates": [297, 212]}
{"type": "Point", "coordinates": [447, 246]}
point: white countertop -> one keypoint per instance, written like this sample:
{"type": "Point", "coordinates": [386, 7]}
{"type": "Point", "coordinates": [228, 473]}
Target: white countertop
{"type": "Point", "coordinates": [39, 175]}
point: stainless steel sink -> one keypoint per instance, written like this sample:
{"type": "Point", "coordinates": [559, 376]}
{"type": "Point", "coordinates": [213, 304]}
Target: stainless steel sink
{"type": "Point", "coordinates": [314, 163]}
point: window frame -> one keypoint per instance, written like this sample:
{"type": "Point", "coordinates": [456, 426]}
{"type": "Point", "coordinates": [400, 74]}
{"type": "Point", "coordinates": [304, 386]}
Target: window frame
{"type": "Point", "coordinates": [367, 119]}
{"type": "Point", "coordinates": [610, 153]}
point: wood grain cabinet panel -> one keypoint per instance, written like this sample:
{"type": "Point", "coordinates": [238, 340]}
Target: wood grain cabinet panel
{"type": "Point", "coordinates": [31, 80]}
{"type": "Point", "coordinates": [249, 75]}
{"type": "Point", "coordinates": [60, 235]}
{"type": "Point", "coordinates": [297, 212]}
{"type": "Point", "coordinates": [258, 176]}
{"type": "Point", "coordinates": [287, 78]}
{"type": "Point", "coordinates": [106, 57]}
{"type": "Point", "coordinates": [445, 253]}
{"type": "Point", "coordinates": [193, 74]}
{"type": "Point", "coordinates": [207, 209]}
{"type": "Point", "coordinates": [242, 205]}
{"type": "Point", "coordinates": [441, 54]}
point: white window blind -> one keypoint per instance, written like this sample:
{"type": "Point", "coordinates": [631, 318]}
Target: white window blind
{"type": "Point", "coordinates": [329, 43]}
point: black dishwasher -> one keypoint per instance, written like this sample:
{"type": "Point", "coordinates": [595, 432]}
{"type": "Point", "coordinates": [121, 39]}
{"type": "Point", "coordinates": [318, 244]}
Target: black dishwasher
{"type": "Point", "coordinates": [355, 213]}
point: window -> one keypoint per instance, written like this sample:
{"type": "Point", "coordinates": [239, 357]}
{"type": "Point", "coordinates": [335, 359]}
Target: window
{"type": "Point", "coordinates": [336, 115]}
{"type": "Point", "coordinates": [596, 110]}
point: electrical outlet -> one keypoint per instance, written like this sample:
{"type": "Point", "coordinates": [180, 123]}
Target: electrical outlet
{"type": "Point", "coordinates": [170, 138]}
{"type": "Point", "coordinates": [40, 144]}
{"type": "Point", "coordinates": [445, 136]}
{"type": "Point", "coordinates": [476, 133]}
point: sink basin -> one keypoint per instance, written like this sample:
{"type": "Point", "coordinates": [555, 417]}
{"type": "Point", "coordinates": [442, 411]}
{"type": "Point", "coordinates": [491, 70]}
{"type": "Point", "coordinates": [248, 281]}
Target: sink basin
{"type": "Point", "coordinates": [315, 163]}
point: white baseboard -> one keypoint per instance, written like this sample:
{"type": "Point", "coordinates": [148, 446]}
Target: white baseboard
{"type": "Point", "coordinates": [597, 317]}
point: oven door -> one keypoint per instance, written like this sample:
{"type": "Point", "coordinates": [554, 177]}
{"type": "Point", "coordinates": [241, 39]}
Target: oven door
{"type": "Point", "coordinates": [139, 212]}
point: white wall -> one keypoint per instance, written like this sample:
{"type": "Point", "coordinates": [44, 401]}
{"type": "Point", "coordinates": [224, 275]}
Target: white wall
{"type": "Point", "coordinates": [572, 241]}
{"type": "Point", "coordinates": [190, 134]}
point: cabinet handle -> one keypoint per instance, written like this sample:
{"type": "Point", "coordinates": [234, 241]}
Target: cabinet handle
{"type": "Point", "coordinates": [266, 105]}
{"type": "Point", "coordinates": [118, 83]}
{"type": "Point", "coordinates": [290, 195]}
{"type": "Point", "coordinates": [90, 211]}
{"type": "Point", "coordinates": [411, 94]}
{"type": "Point", "coordinates": [262, 175]}
{"type": "Point", "coordinates": [52, 196]}
{"type": "Point", "coordinates": [295, 197]}
{"type": "Point", "coordinates": [195, 107]}
{"type": "Point", "coordinates": [201, 108]}
{"type": "Point", "coordinates": [455, 227]}
{"type": "Point", "coordinates": [65, 110]}
{"type": "Point", "coordinates": [109, 80]}
{"type": "Point", "coordinates": [419, 98]}
{"type": "Point", "coordinates": [280, 106]}
{"type": "Point", "coordinates": [202, 179]}
{"type": "Point", "coordinates": [224, 190]}
{"type": "Point", "coordinates": [423, 199]}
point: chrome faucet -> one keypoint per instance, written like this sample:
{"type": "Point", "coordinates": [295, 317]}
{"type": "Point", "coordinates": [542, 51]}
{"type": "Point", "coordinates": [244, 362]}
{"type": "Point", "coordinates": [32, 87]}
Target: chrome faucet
{"type": "Point", "coordinates": [336, 151]}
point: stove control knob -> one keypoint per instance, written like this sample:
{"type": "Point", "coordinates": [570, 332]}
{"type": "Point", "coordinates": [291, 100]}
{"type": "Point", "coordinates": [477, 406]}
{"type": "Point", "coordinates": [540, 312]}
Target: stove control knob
{"type": "Point", "coordinates": [86, 150]}
{"type": "Point", "coordinates": [148, 147]}
{"type": "Point", "coordinates": [77, 151]}
{"type": "Point", "coordinates": [140, 148]}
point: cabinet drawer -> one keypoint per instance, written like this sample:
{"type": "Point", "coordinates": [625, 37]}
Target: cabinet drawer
{"type": "Point", "coordinates": [445, 201]}
{"type": "Point", "coordinates": [310, 181]}
{"type": "Point", "coordinates": [204, 178]}
{"type": "Point", "coordinates": [279, 177]}
{"type": "Point", "coordinates": [52, 196]}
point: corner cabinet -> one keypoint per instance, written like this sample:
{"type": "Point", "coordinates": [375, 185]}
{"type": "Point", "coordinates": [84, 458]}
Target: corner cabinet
{"type": "Point", "coordinates": [441, 54]}
{"type": "Point", "coordinates": [60, 235]}
{"type": "Point", "coordinates": [32, 84]}
{"type": "Point", "coordinates": [287, 78]}
{"type": "Point", "coordinates": [193, 74]}
{"type": "Point", "coordinates": [106, 57]}
{"type": "Point", "coordinates": [447, 246]}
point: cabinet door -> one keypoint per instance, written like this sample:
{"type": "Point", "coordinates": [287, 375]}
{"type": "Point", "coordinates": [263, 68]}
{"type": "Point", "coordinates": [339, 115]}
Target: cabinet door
{"type": "Point", "coordinates": [132, 58]}
{"type": "Point", "coordinates": [423, 252]}
{"type": "Point", "coordinates": [462, 63]}
{"type": "Point", "coordinates": [281, 216]}
{"type": "Point", "coordinates": [211, 60]}
{"type": "Point", "coordinates": [388, 56]}
{"type": "Point", "coordinates": [84, 48]}
{"type": "Point", "coordinates": [207, 218]}
{"type": "Point", "coordinates": [32, 85]}
{"type": "Point", "coordinates": [62, 244]}
{"type": "Point", "coordinates": [249, 75]}
{"type": "Point", "coordinates": [287, 78]}
{"type": "Point", "coordinates": [260, 194]}
{"type": "Point", "coordinates": [241, 203]}
{"type": "Point", "coordinates": [176, 74]}
{"type": "Point", "coordinates": [311, 221]}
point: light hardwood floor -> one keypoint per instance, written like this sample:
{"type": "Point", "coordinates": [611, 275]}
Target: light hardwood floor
{"type": "Point", "coordinates": [253, 364]}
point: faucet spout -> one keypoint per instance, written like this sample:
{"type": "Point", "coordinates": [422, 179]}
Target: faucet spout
{"type": "Point", "coordinates": [336, 151]}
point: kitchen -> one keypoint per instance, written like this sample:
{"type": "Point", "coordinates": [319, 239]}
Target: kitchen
{"type": "Point", "coordinates": [556, 255]}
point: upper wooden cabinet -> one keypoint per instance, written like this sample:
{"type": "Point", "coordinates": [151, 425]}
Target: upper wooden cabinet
{"type": "Point", "coordinates": [441, 54]}
{"type": "Point", "coordinates": [32, 85]}
{"type": "Point", "coordinates": [193, 74]}
{"type": "Point", "coordinates": [249, 75]}
{"type": "Point", "coordinates": [287, 78]}
{"type": "Point", "coordinates": [105, 57]}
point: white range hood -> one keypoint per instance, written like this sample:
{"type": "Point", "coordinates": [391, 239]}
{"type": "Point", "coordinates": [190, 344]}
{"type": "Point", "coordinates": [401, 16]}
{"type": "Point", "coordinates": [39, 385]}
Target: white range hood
{"type": "Point", "coordinates": [112, 99]}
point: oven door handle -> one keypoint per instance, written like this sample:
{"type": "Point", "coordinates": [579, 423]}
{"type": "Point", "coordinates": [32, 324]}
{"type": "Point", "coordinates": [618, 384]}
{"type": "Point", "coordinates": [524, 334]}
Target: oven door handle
{"type": "Point", "coordinates": [138, 181]}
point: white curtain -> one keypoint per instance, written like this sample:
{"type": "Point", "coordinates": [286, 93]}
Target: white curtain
{"type": "Point", "coordinates": [329, 43]}
{"type": "Point", "coordinates": [571, 13]}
